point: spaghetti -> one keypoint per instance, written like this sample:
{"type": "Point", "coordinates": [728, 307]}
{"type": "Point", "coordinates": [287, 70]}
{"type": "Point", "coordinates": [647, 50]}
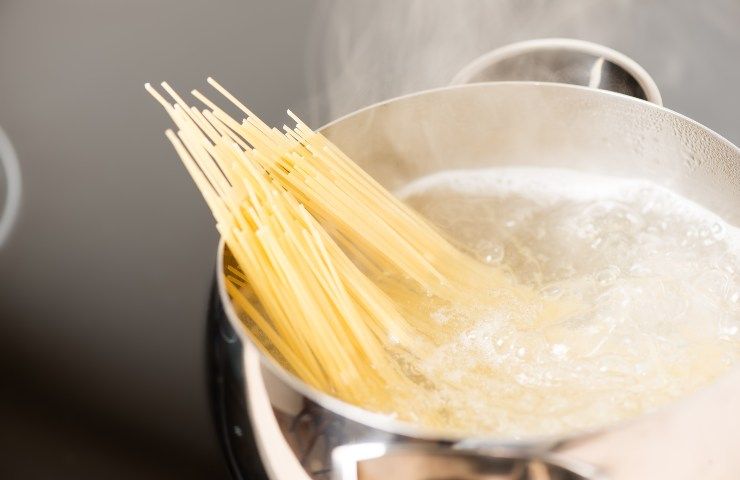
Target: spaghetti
{"type": "Point", "coordinates": [307, 294]}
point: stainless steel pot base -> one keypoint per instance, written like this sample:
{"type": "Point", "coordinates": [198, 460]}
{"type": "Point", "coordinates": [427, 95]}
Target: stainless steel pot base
{"type": "Point", "coordinates": [377, 461]}
{"type": "Point", "coordinates": [228, 403]}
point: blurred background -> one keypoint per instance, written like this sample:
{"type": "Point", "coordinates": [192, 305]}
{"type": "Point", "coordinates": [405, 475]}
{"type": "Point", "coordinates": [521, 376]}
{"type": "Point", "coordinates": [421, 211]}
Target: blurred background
{"type": "Point", "coordinates": [107, 250]}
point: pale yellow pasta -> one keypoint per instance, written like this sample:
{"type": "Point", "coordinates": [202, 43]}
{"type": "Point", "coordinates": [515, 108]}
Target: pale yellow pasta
{"type": "Point", "coordinates": [311, 305]}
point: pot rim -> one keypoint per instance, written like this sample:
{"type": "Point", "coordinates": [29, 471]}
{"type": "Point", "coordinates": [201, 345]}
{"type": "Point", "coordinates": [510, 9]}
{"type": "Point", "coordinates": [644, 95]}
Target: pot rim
{"type": "Point", "coordinates": [386, 422]}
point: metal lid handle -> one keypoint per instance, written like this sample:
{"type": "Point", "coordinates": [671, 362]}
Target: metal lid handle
{"type": "Point", "coordinates": [563, 60]}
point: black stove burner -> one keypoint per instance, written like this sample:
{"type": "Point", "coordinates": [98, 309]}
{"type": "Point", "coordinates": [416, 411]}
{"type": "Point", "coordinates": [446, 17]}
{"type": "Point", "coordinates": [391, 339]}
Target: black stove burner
{"type": "Point", "coordinates": [228, 403]}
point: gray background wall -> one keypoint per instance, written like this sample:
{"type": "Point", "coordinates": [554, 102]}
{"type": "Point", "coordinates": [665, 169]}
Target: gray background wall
{"type": "Point", "coordinates": [103, 284]}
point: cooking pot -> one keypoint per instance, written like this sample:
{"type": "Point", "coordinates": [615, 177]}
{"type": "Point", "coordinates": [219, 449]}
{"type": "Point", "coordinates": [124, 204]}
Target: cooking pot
{"type": "Point", "coordinates": [300, 432]}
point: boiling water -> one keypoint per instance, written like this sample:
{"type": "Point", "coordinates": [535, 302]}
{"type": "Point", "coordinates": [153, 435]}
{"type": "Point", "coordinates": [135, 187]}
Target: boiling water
{"type": "Point", "coordinates": [656, 278]}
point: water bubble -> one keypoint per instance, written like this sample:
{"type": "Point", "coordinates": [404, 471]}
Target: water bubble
{"type": "Point", "coordinates": [615, 364]}
{"type": "Point", "coordinates": [729, 330]}
{"type": "Point", "coordinates": [718, 230]}
{"type": "Point", "coordinates": [608, 275]}
{"type": "Point", "coordinates": [491, 252]}
{"type": "Point", "coordinates": [714, 282]}
{"type": "Point", "coordinates": [729, 262]}
{"type": "Point", "coordinates": [440, 317]}
{"type": "Point", "coordinates": [551, 292]}
{"type": "Point", "coordinates": [734, 297]}
{"type": "Point", "coordinates": [559, 350]}
{"type": "Point", "coordinates": [639, 270]}
{"type": "Point", "coordinates": [633, 219]}
{"type": "Point", "coordinates": [540, 232]}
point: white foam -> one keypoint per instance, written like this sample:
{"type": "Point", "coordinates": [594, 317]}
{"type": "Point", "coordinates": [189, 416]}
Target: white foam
{"type": "Point", "coordinates": [553, 184]}
{"type": "Point", "coordinates": [657, 272]}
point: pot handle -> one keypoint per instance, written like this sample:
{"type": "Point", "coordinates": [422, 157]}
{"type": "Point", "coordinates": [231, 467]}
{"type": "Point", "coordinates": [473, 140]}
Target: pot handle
{"type": "Point", "coordinates": [10, 182]}
{"type": "Point", "coordinates": [562, 60]}
{"type": "Point", "coordinates": [417, 461]}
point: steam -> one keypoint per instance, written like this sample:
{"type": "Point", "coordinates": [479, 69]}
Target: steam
{"type": "Point", "coordinates": [365, 51]}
